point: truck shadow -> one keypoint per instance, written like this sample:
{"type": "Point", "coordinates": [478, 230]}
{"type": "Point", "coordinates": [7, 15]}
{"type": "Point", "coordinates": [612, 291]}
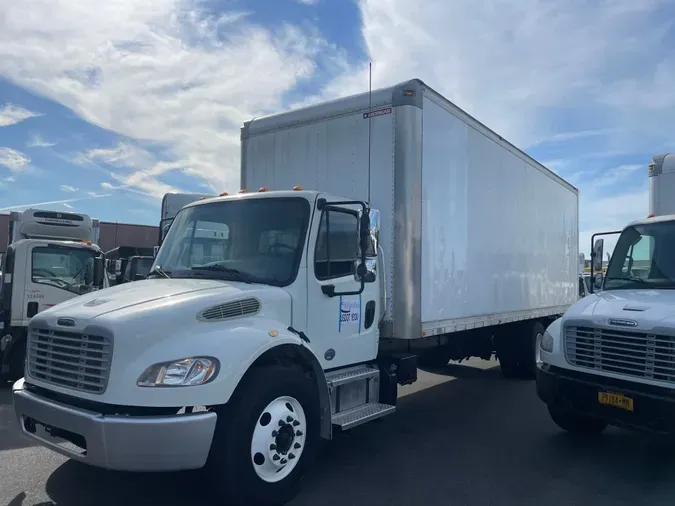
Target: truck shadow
{"type": "Point", "coordinates": [10, 435]}
{"type": "Point", "coordinates": [478, 441]}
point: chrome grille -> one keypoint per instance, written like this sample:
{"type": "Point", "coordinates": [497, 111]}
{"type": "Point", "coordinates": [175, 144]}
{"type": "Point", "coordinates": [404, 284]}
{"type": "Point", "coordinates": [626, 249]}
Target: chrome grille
{"type": "Point", "coordinates": [70, 359]}
{"type": "Point", "coordinates": [625, 352]}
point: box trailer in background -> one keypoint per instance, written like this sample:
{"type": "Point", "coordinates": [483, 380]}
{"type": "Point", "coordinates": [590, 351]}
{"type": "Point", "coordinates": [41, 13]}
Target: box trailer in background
{"type": "Point", "coordinates": [476, 234]}
{"type": "Point", "coordinates": [273, 319]}
{"type": "Point", "coordinates": [662, 185]}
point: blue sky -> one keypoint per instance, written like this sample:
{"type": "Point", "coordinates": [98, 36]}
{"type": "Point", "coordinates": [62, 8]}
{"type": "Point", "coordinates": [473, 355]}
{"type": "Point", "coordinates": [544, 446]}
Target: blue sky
{"type": "Point", "coordinates": [104, 107]}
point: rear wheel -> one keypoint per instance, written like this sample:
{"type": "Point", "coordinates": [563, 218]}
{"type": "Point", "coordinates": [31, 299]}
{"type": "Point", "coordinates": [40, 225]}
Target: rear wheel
{"type": "Point", "coordinates": [266, 438]}
{"type": "Point", "coordinates": [517, 350]}
{"type": "Point", "coordinates": [575, 421]}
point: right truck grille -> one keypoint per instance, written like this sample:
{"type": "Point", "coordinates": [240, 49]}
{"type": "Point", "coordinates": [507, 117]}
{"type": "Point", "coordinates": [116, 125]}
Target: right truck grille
{"type": "Point", "coordinates": [70, 359]}
{"type": "Point", "coordinates": [620, 351]}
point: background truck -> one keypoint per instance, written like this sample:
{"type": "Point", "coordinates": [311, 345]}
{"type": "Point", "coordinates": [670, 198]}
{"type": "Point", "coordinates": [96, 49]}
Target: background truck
{"type": "Point", "coordinates": [610, 360]}
{"type": "Point", "coordinates": [171, 204]}
{"type": "Point", "coordinates": [310, 306]}
{"type": "Point", "coordinates": [51, 257]}
{"type": "Point", "coordinates": [128, 263]}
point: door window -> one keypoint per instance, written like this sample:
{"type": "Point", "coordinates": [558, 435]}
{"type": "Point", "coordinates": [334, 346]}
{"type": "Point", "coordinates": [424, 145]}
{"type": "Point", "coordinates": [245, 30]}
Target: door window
{"type": "Point", "coordinates": [336, 245]}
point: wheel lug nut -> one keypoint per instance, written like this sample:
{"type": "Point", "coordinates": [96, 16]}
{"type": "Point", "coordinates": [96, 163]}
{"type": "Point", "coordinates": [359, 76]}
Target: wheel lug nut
{"type": "Point", "coordinates": [273, 447]}
{"type": "Point", "coordinates": [291, 456]}
{"type": "Point", "coordinates": [274, 433]}
{"type": "Point", "coordinates": [298, 433]}
{"type": "Point", "coordinates": [295, 423]}
{"type": "Point", "coordinates": [281, 423]}
{"type": "Point", "coordinates": [284, 461]}
{"type": "Point", "coordinates": [276, 457]}
{"type": "Point", "coordinates": [289, 419]}
{"type": "Point", "coordinates": [297, 446]}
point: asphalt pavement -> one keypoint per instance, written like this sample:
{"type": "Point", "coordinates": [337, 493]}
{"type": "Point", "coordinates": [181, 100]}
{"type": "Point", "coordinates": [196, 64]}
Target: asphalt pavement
{"type": "Point", "coordinates": [462, 435]}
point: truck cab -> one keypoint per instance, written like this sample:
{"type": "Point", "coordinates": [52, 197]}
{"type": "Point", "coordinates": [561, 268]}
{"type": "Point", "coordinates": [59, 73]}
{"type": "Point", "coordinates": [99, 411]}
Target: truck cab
{"type": "Point", "coordinates": [50, 258]}
{"type": "Point", "coordinates": [611, 358]}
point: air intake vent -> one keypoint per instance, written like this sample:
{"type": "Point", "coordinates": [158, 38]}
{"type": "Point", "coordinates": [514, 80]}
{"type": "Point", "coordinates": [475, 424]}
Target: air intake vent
{"type": "Point", "coordinates": [229, 310]}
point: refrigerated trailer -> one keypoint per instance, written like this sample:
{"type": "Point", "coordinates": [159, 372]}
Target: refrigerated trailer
{"type": "Point", "coordinates": [417, 229]}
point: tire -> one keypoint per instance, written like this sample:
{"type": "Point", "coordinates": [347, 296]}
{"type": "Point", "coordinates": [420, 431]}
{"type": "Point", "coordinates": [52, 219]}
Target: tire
{"type": "Point", "coordinates": [528, 364]}
{"type": "Point", "coordinates": [517, 351]}
{"type": "Point", "coordinates": [435, 358]}
{"type": "Point", "coordinates": [242, 458]}
{"type": "Point", "coordinates": [17, 360]}
{"type": "Point", "coordinates": [574, 421]}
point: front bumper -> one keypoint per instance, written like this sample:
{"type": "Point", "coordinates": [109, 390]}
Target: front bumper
{"type": "Point", "coordinates": [653, 407]}
{"type": "Point", "coordinates": [124, 443]}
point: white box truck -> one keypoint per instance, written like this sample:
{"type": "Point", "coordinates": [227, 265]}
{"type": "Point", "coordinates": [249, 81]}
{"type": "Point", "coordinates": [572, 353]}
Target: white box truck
{"type": "Point", "coordinates": [309, 314]}
{"type": "Point", "coordinates": [52, 256]}
{"type": "Point", "coordinates": [610, 360]}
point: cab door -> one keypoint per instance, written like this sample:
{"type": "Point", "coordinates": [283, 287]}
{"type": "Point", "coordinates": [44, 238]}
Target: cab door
{"type": "Point", "coordinates": [342, 318]}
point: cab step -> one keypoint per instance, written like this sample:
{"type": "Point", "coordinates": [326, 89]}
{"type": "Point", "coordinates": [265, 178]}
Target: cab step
{"type": "Point", "coordinates": [344, 376]}
{"type": "Point", "coordinates": [362, 414]}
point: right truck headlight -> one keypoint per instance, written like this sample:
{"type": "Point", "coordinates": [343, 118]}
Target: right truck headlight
{"type": "Point", "coordinates": [180, 373]}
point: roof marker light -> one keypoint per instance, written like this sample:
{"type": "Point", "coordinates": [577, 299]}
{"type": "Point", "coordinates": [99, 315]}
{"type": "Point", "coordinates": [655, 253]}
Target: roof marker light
{"type": "Point", "coordinates": [243, 191]}
{"type": "Point", "coordinates": [651, 215]}
{"type": "Point", "coordinates": [263, 189]}
{"type": "Point", "coordinates": [297, 188]}
{"type": "Point", "coordinates": [224, 194]}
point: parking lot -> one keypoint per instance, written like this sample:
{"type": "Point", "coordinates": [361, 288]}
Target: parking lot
{"type": "Point", "coordinates": [463, 435]}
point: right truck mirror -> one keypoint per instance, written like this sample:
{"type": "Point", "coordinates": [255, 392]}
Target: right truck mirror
{"type": "Point", "coordinates": [598, 248]}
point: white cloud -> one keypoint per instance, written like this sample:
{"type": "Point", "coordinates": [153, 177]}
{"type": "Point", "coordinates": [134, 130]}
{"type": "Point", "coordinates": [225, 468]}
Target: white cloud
{"type": "Point", "coordinates": [14, 160]}
{"type": "Point", "coordinates": [308, 2]}
{"type": "Point", "coordinates": [67, 188]}
{"type": "Point", "coordinates": [20, 207]}
{"type": "Point", "coordinates": [67, 205]}
{"type": "Point", "coordinates": [38, 142]}
{"type": "Point", "coordinates": [11, 114]}
{"type": "Point", "coordinates": [159, 71]}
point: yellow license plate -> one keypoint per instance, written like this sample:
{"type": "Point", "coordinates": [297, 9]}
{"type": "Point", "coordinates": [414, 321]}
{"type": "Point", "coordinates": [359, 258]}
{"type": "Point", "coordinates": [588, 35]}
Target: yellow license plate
{"type": "Point", "coordinates": [616, 400]}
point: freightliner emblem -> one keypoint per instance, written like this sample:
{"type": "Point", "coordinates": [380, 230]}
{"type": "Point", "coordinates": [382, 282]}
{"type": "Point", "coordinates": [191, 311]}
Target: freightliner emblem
{"type": "Point", "coordinates": [622, 323]}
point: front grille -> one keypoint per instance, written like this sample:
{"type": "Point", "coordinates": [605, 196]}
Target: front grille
{"type": "Point", "coordinates": [70, 359]}
{"type": "Point", "coordinates": [621, 351]}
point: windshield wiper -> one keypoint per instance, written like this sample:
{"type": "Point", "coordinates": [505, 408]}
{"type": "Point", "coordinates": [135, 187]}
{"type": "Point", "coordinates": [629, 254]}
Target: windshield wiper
{"type": "Point", "coordinates": [158, 270]}
{"type": "Point", "coordinates": [635, 279]}
{"type": "Point", "coordinates": [236, 274]}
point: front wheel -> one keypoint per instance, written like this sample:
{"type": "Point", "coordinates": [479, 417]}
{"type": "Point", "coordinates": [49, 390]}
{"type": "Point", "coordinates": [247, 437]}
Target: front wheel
{"type": "Point", "coordinates": [266, 438]}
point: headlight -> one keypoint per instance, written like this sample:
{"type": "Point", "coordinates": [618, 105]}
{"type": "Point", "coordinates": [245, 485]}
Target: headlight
{"type": "Point", "coordinates": [180, 373]}
{"type": "Point", "coordinates": [547, 342]}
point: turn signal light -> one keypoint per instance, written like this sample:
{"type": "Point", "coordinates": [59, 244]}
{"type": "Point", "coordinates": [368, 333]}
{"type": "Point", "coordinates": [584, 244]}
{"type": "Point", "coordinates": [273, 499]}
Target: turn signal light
{"type": "Point", "coordinates": [297, 188]}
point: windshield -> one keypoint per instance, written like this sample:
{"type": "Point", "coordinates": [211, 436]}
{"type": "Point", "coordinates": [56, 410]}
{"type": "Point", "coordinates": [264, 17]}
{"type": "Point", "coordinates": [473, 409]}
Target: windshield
{"type": "Point", "coordinates": [249, 240]}
{"type": "Point", "coordinates": [70, 269]}
{"type": "Point", "coordinates": [644, 256]}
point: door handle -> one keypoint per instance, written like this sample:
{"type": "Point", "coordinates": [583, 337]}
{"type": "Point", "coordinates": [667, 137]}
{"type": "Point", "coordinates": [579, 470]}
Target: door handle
{"type": "Point", "coordinates": [328, 290]}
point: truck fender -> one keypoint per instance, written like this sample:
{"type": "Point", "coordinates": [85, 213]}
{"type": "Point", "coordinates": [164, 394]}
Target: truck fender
{"type": "Point", "coordinates": [288, 348]}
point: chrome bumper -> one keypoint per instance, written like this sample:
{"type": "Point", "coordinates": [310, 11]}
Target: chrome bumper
{"type": "Point", "coordinates": [123, 443]}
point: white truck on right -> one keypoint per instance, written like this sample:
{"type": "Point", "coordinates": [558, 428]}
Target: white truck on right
{"type": "Point", "coordinates": [610, 359]}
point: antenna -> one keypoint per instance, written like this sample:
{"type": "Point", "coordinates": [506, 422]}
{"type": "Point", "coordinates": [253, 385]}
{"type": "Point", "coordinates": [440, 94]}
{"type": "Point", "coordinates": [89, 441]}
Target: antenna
{"type": "Point", "coordinates": [370, 106]}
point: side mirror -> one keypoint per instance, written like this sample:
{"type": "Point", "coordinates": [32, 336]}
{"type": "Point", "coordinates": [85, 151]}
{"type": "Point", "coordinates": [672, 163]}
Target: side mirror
{"type": "Point", "coordinates": [99, 271]}
{"type": "Point", "coordinates": [365, 265]}
{"type": "Point", "coordinates": [596, 255]}
{"type": "Point", "coordinates": [374, 216]}
{"type": "Point", "coordinates": [155, 249]}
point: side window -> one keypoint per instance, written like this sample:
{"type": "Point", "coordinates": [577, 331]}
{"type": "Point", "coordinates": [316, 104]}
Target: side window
{"type": "Point", "coordinates": [336, 245]}
{"type": "Point", "coordinates": [639, 260]}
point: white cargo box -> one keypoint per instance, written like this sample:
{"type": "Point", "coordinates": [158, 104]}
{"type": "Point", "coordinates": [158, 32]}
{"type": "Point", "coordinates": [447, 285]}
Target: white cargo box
{"type": "Point", "coordinates": [475, 232]}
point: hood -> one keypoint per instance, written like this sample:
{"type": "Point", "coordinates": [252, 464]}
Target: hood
{"type": "Point", "coordinates": [144, 292]}
{"type": "Point", "coordinates": [641, 309]}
